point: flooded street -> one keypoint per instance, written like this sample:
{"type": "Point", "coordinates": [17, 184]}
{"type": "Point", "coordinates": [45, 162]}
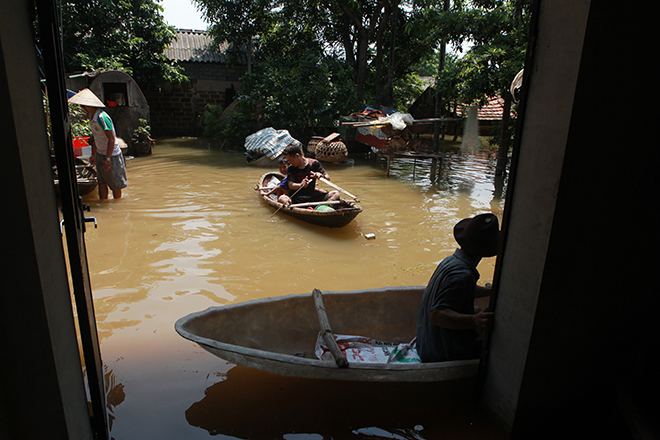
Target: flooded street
{"type": "Point", "coordinates": [191, 233]}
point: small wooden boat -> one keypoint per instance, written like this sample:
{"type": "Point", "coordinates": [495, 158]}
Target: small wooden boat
{"type": "Point", "coordinates": [279, 334]}
{"type": "Point", "coordinates": [85, 176]}
{"type": "Point", "coordinates": [343, 211]}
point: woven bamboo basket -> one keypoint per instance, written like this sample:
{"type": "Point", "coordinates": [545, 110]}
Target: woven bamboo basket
{"type": "Point", "coordinates": [313, 142]}
{"type": "Point", "coordinates": [331, 152]}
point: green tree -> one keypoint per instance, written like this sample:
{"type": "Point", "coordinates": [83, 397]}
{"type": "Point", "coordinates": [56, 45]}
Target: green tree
{"type": "Point", "coordinates": [499, 31]}
{"type": "Point", "coordinates": [299, 90]}
{"type": "Point", "coordinates": [304, 49]}
{"type": "Point", "coordinates": [379, 40]}
{"type": "Point", "coordinates": [238, 22]}
{"type": "Point", "coordinates": [127, 35]}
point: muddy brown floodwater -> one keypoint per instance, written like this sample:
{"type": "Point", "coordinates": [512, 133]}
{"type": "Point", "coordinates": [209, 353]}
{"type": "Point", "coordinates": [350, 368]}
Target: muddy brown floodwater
{"type": "Point", "coordinates": [191, 233]}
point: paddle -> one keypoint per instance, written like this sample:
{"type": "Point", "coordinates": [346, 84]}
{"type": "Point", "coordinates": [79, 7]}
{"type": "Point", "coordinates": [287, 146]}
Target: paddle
{"type": "Point", "coordinates": [327, 182]}
{"type": "Point", "coordinates": [326, 331]}
{"type": "Point", "coordinates": [281, 205]}
{"type": "Point", "coordinates": [325, 202]}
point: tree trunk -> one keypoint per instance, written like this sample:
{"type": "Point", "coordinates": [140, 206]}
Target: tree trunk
{"type": "Point", "coordinates": [347, 41]}
{"type": "Point", "coordinates": [389, 90]}
{"type": "Point", "coordinates": [361, 64]}
{"type": "Point", "coordinates": [378, 62]}
{"type": "Point", "coordinates": [438, 101]}
{"type": "Point", "coordinates": [363, 36]}
{"type": "Point", "coordinates": [249, 56]}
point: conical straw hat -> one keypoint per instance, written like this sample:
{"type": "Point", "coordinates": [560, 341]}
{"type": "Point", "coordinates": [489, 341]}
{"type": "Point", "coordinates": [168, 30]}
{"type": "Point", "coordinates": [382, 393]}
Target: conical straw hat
{"type": "Point", "coordinates": [86, 97]}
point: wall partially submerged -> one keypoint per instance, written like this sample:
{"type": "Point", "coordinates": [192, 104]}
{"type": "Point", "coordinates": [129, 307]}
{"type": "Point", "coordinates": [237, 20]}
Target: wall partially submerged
{"type": "Point", "coordinates": [178, 110]}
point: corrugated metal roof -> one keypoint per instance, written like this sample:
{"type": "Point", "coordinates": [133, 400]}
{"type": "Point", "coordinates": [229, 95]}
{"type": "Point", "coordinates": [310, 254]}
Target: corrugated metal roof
{"type": "Point", "coordinates": [192, 45]}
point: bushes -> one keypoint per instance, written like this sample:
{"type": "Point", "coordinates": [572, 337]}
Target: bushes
{"type": "Point", "coordinates": [295, 88]}
{"type": "Point", "coordinates": [228, 131]}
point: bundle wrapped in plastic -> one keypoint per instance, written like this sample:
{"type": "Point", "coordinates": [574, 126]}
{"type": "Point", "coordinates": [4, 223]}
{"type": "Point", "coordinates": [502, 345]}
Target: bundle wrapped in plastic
{"type": "Point", "coordinates": [367, 350]}
{"type": "Point", "coordinates": [398, 121]}
{"type": "Point", "coordinates": [268, 142]}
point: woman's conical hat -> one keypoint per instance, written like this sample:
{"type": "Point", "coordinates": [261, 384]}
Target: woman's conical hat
{"type": "Point", "coordinates": [86, 97]}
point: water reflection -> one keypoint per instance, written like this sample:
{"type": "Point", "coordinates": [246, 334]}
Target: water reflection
{"type": "Point", "coordinates": [257, 405]}
{"type": "Point", "coordinates": [114, 394]}
{"type": "Point", "coordinates": [397, 434]}
{"type": "Point", "coordinates": [191, 233]}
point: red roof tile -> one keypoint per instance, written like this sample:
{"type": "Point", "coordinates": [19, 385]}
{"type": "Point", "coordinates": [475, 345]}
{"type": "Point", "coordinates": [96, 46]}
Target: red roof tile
{"type": "Point", "coordinates": [492, 111]}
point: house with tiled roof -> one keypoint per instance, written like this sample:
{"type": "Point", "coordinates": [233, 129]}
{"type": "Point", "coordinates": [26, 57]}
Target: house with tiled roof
{"type": "Point", "coordinates": [178, 110]}
{"type": "Point", "coordinates": [491, 111]}
{"type": "Point", "coordinates": [488, 114]}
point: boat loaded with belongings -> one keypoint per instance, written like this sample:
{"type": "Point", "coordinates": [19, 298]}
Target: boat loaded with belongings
{"type": "Point", "coordinates": [85, 176]}
{"type": "Point", "coordinates": [363, 335]}
{"type": "Point", "coordinates": [331, 214]}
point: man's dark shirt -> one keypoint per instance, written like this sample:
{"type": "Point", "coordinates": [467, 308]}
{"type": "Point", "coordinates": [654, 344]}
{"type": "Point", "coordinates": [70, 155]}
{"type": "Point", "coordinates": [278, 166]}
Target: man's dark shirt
{"type": "Point", "coordinates": [451, 286]}
{"type": "Point", "coordinates": [296, 175]}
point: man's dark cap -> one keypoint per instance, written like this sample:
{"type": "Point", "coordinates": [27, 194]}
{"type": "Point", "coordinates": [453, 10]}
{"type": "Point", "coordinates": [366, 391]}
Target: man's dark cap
{"type": "Point", "coordinates": [478, 235]}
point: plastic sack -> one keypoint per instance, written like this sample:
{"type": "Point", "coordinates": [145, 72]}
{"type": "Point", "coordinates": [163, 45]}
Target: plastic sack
{"type": "Point", "coordinates": [359, 349]}
{"type": "Point", "coordinates": [398, 121]}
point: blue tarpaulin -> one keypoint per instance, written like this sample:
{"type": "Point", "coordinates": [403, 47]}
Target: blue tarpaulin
{"type": "Point", "coordinates": [268, 142]}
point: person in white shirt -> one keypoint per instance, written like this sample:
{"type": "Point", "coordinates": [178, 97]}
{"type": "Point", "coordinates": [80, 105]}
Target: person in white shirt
{"type": "Point", "coordinates": [106, 153]}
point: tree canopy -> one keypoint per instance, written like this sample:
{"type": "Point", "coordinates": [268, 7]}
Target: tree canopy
{"type": "Point", "coordinates": [378, 40]}
{"type": "Point", "coordinates": [127, 35]}
{"type": "Point", "coordinates": [315, 59]}
{"type": "Point", "coordinates": [498, 30]}
{"type": "Point", "coordinates": [383, 40]}
{"type": "Point", "coordinates": [302, 50]}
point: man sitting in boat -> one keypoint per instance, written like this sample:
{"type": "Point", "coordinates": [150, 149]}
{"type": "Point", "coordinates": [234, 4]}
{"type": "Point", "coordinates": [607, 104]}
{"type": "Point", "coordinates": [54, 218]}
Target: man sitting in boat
{"type": "Point", "coordinates": [301, 175]}
{"type": "Point", "coordinates": [448, 322]}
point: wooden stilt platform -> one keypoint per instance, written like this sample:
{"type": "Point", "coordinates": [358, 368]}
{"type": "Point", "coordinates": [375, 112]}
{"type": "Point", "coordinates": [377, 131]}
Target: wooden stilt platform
{"type": "Point", "coordinates": [436, 159]}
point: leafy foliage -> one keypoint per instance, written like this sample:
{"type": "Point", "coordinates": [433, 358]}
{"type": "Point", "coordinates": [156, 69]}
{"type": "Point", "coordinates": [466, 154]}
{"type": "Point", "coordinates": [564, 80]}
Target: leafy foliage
{"type": "Point", "coordinates": [302, 87]}
{"type": "Point", "coordinates": [232, 129]}
{"type": "Point", "coordinates": [237, 22]}
{"type": "Point", "coordinates": [377, 40]}
{"type": "Point", "coordinates": [142, 132]}
{"type": "Point", "coordinates": [315, 59]}
{"type": "Point", "coordinates": [127, 35]}
{"type": "Point", "coordinates": [78, 121]}
{"type": "Point", "coordinates": [498, 31]}
{"type": "Point", "coordinates": [299, 90]}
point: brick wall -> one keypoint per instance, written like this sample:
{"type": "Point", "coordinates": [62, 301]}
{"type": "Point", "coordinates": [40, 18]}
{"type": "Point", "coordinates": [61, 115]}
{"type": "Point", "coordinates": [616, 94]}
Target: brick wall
{"type": "Point", "coordinates": [178, 111]}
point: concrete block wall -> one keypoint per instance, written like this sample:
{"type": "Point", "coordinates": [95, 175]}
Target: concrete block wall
{"type": "Point", "coordinates": [214, 72]}
{"type": "Point", "coordinates": [178, 111]}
